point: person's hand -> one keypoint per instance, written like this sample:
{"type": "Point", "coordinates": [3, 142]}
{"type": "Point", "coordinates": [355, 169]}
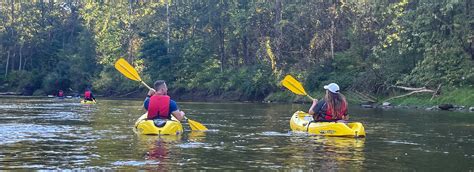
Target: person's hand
{"type": "Point", "coordinates": [315, 101]}
{"type": "Point", "coordinates": [185, 120]}
{"type": "Point", "coordinates": [151, 92]}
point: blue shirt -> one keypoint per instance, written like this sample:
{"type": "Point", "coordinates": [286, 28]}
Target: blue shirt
{"type": "Point", "coordinates": [173, 105]}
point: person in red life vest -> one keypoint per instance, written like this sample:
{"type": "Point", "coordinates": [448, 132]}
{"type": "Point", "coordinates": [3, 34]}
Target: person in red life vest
{"type": "Point", "coordinates": [88, 96]}
{"type": "Point", "coordinates": [60, 93]}
{"type": "Point", "coordinates": [332, 107]}
{"type": "Point", "coordinates": [160, 106]}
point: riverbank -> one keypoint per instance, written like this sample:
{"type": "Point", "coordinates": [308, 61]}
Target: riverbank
{"type": "Point", "coordinates": [452, 99]}
{"type": "Point", "coordinates": [449, 99]}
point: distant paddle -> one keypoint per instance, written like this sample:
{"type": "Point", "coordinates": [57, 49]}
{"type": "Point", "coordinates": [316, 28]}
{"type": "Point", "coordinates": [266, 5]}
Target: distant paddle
{"type": "Point", "coordinates": [294, 86]}
{"type": "Point", "coordinates": [128, 71]}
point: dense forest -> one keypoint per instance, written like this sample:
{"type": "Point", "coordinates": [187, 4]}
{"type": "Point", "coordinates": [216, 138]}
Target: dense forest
{"type": "Point", "coordinates": [239, 49]}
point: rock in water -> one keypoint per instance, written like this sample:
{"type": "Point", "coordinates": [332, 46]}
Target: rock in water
{"type": "Point", "coordinates": [366, 106]}
{"type": "Point", "coordinates": [432, 108]}
{"type": "Point", "coordinates": [471, 109]}
{"type": "Point", "coordinates": [445, 106]}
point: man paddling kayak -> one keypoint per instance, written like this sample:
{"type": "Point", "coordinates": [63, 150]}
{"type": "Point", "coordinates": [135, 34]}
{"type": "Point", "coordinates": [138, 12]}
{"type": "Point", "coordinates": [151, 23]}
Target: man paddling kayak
{"type": "Point", "coordinates": [332, 107]}
{"type": "Point", "coordinates": [160, 106]}
{"type": "Point", "coordinates": [88, 96]}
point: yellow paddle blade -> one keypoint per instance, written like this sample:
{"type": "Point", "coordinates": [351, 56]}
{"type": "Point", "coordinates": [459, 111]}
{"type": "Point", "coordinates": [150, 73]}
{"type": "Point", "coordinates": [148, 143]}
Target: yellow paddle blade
{"type": "Point", "coordinates": [196, 125]}
{"type": "Point", "coordinates": [293, 85]}
{"type": "Point", "coordinates": [126, 69]}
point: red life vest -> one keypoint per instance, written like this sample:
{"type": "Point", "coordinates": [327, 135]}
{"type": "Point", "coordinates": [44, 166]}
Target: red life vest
{"type": "Point", "coordinates": [159, 107]}
{"type": "Point", "coordinates": [327, 111]}
{"type": "Point", "coordinates": [87, 95]}
{"type": "Point", "coordinates": [61, 93]}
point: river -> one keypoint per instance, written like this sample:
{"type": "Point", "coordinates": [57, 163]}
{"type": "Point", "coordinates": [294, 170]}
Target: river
{"type": "Point", "coordinates": [55, 134]}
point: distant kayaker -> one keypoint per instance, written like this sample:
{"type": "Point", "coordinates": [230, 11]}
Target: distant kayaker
{"type": "Point", "coordinates": [160, 105]}
{"type": "Point", "coordinates": [332, 107]}
{"type": "Point", "coordinates": [88, 96]}
{"type": "Point", "coordinates": [60, 94]}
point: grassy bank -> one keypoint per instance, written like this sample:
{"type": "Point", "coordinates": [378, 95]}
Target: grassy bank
{"type": "Point", "coordinates": [463, 97]}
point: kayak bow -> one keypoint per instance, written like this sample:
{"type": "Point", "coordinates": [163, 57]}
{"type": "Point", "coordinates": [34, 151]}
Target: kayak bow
{"type": "Point", "coordinates": [148, 127]}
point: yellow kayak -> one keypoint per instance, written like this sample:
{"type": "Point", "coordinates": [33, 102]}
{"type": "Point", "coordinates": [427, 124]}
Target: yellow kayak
{"type": "Point", "coordinates": [144, 126]}
{"type": "Point", "coordinates": [88, 102]}
{"type": "Point", "coordinates": [300, 120]}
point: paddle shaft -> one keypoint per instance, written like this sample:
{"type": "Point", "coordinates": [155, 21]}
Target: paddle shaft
{"type": "Point", "coordinates": [146, 85]}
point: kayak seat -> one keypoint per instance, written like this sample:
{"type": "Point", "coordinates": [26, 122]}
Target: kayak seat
{"type": "Point", "coordinates": [159, 122]}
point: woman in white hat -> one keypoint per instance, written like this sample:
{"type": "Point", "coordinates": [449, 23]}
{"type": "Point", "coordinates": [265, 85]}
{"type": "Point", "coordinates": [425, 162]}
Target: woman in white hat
{"type": "Point", "coordinates": [332, 108]}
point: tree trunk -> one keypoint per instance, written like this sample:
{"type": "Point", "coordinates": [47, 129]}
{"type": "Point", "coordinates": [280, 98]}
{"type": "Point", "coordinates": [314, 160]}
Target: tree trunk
{"type": "Point", "coordinates": [278, 29]}
{"type": "Point", "coordinates": [221, 45]}
{"type": "Point", "coordinates": [12, 35]}
{"type": "Point", "coordinates": [130, 34]}
{"type": "Point", "coordinates": [19, 64]}
{"type": "Point", "coordinates": [332, 39]}
{"type": "Point", "coordinates": [333, 15]}
{"type": "Point", "coordinates": [221, 35]}
{"type": "Point", "coordinates": [72, 21]}
{"type": "Point", "coordinates": [13, 10]}
{"type": "Point", "coordinates": [26, 60]}
{"type": "Point", "coordinates": [42, 12]}
{"type": "Point", "coordinates": [167, 25]}
{"type": "Point", "coordinates": [246, 49]}
{"type": "Point", "coordinates": [6, 66]}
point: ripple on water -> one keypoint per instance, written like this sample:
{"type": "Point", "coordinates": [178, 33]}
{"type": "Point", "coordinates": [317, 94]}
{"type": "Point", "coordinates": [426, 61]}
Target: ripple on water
{"type": "Point", "coordinates": [135, 163]}
{"type": "Point", "coordinates": [192, 145]}
{"type": "Point", "coordinates": [12, 133]}
{"type": "Point", "coordinates": [401, 142]}
{"type": "Point", "coordinates": [274, 133]}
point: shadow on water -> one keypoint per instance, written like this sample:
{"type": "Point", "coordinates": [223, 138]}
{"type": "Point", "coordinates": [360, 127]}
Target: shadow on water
{"type": "Point", "coordinates": [63, 134]}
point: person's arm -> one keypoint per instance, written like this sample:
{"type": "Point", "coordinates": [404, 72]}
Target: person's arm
{"type": "Point", "coordinates": [310, 111]}
{"type": "Point", "coordinates": [179, 115]}
{"type": "Point", "coordinates": [147, 99]}
{"type": "Point", "coordinates": [345, 117]}
{"type": "Point", "coordinates": [146, 103]}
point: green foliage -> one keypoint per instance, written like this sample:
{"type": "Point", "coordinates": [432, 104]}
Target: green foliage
{"type": "Point", "coordinates": [236, 48]}
{"type": "Point", "coordinates": [448, 65]}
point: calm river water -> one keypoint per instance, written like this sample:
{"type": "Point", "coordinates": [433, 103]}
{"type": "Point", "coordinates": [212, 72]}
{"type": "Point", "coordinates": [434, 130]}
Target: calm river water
{"type": "Point", "coordinates": [43, 134]}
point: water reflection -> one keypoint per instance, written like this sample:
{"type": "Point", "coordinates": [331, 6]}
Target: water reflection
{"type": "Point", "coordinates": [326, 153]}
{"type": "Point", "coordinates": [51, 134]}
{"type": "Point", "coordinates": [161, 152]}
{"type": "Point", "coordinates": [197, 136]}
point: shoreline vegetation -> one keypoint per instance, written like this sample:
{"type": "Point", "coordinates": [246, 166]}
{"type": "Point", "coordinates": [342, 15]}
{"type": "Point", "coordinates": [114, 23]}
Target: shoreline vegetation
{"type": "Point", "coordinates": [453, 99]}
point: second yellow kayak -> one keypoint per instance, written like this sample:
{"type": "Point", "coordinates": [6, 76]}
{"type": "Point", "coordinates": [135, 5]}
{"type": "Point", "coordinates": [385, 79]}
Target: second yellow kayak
{"type": "Point", "coordinates": [300, 121]}
{"type": "Point", "coordinates": [144, 126]}
{"type": "Point", "coordinates": [88, 102]}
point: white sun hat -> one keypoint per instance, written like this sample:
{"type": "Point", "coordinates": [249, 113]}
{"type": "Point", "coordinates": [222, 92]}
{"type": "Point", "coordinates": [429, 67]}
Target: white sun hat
{"type": "Point", "coordinates": [332, 87]}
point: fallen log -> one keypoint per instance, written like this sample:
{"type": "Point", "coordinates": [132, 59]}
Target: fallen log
{"type": "Point", "coordinates": [415, 90]}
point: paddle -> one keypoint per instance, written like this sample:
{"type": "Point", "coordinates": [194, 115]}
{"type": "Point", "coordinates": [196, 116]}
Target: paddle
{"type": "Point", "coordinates": [128, 71]}
{"type": "Point", "coordinates": [294, 86]}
